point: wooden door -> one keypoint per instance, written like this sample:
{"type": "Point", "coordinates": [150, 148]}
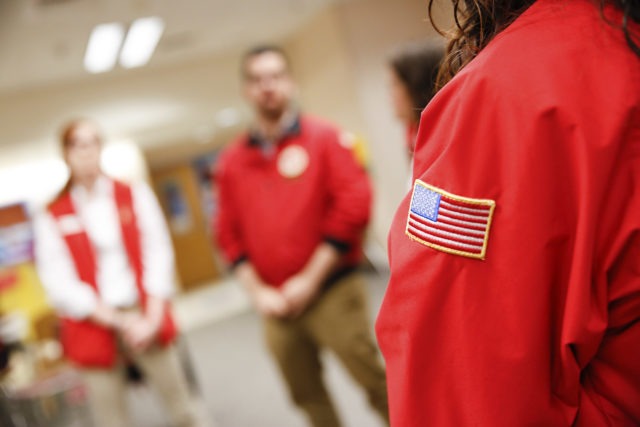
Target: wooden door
{"type": "Point", "coordinates": [179, 195]}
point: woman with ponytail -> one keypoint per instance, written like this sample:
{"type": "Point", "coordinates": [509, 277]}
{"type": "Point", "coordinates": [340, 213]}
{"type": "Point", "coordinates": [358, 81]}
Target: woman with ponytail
{"type": "Point", "coordinates": [514, 297]}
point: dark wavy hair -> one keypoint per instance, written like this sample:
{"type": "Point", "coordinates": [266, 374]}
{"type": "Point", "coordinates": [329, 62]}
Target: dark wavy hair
{"type": "Point", "coordinates": [477, 22]}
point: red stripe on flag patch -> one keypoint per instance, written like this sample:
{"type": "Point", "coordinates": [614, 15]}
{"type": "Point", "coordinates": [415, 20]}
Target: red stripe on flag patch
{"type": "Point", "coordinates": [449, 223]}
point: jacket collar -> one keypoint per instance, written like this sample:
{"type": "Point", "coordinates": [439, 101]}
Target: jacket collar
{"type": "Point", "coordinates": [290, 127]}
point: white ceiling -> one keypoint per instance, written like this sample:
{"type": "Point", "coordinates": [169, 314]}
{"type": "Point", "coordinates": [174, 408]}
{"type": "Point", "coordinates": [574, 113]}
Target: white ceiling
{"type": "Point", "coordinates": [43, 41]}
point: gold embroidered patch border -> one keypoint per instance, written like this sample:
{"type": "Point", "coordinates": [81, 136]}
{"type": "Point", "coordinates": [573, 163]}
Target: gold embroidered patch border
{"type": "Point", "coordinates": [448, 222]}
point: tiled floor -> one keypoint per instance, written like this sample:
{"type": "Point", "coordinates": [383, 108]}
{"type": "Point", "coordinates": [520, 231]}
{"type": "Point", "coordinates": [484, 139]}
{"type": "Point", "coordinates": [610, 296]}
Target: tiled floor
{"type": "Point", "coordinates": [239, 384]}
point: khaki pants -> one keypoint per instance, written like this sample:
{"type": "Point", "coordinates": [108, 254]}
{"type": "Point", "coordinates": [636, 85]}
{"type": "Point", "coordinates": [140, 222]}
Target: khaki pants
{"type": "Point", "coordinates": [161, 368]}
{"type": "Point", "coordinates": [339, 321]}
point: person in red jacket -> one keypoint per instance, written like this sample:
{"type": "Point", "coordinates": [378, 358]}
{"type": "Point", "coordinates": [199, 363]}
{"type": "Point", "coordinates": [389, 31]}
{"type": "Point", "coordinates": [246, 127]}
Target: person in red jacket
{"type": "Point", "coordinates": [105, 259]}
{"type": "Point", "coordinates": [293, 206]}
{"type": "Point", "coordinates": [514, 297]}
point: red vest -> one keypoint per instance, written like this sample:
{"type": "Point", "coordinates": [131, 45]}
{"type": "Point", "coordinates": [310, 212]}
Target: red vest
{"type": "Point", "coordinates": [85, 342]}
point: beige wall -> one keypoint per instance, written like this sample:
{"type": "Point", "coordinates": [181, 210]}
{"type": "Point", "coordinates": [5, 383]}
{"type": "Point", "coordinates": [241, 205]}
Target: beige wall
{"type": "Point", "coordinates": [323, 70]}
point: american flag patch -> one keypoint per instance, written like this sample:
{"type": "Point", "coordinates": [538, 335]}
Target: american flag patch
{"type": "Point", "coordinates": [449, 223]}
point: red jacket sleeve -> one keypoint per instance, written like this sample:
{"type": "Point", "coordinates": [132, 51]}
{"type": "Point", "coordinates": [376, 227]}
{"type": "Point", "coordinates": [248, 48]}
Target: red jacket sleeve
{"type": "Point", "coordinates": [225, 222]}
{"type": "Point", "coordinates": [349, 195]}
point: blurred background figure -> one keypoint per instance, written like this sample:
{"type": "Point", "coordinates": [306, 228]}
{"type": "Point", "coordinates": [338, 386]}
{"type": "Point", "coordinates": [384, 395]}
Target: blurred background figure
{"type": "Point", "coordinates": [413, 71]}
{"type": "Point", "coordinates": [106, 261]}
{"type": "Point", "coordinates": [294, 203]}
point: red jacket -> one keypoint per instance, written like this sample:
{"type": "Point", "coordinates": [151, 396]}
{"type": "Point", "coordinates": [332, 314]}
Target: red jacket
{"type": "Point", "coordinates": [537, 144]}
{"type": "Point", "coordinates": [85, 342]}
{"type": "Point", "coordinates": [276, 208]}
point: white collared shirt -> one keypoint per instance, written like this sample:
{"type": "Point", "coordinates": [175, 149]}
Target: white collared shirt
{"type": "Point", "coordinates": [97, 214]}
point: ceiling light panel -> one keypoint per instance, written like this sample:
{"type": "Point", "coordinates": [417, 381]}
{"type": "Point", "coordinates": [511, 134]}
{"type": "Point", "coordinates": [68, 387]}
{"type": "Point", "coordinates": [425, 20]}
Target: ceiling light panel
{"type": "Point", "coordinates": [141, 41]}
{"type": "Point", "coordinates": [103, 47]}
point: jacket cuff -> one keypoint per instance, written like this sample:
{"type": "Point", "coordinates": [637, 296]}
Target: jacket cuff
{"type": "Point", "coordinates": [339, 245]}
{"type": "Point", "coordinates": [238, 260]}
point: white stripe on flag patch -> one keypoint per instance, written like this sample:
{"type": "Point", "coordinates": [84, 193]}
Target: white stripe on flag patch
{"type": "Point", "coordinates": [449, 223]}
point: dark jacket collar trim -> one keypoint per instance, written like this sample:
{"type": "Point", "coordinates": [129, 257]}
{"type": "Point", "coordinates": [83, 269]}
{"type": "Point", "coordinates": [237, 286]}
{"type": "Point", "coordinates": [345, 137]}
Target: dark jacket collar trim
{"type": "Point", "coordinates": [294, 129]}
